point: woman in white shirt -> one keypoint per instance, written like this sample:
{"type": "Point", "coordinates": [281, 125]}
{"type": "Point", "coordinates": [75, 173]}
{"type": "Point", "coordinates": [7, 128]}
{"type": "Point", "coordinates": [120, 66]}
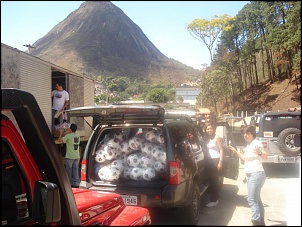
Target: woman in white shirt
{"type": "Point", "coordinates": [255, 175]}
{"type": "Point", "coordinates": [215, 148]}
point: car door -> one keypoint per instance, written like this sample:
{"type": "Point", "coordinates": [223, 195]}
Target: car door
{"type": "Point", "coordinates": [236, 124]}
{"type": "Point", "coordinates": [231, 161]}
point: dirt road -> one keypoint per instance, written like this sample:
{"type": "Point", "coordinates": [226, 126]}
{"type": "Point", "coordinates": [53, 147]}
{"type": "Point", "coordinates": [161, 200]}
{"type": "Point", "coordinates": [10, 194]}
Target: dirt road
{"type": "Point", "coordinates": [281, 195]}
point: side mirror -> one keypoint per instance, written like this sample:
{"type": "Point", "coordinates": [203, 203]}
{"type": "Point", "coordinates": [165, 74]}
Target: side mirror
{"type": "Point", "coordinates": [47, 204]}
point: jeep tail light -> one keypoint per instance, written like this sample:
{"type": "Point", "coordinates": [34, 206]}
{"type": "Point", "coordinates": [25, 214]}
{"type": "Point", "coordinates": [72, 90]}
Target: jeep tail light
{"type": "Point", "coordinates": [83, 170]}
{"type": "Point", "coordinates": [264, 143]}
{"type": "Point", "coordinates": [174, 173]}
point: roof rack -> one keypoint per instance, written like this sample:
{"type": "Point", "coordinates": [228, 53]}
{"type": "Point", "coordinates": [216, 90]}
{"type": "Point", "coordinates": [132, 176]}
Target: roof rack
{"type": "Point", "coordinates": [120, 113]}
{"type": "Point", "coordinates": [179, 117]}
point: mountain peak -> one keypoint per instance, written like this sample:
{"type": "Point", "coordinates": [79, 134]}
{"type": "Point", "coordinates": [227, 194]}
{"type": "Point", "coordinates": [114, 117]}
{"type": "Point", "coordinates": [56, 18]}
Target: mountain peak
{"type": "Point", "coordinates": [100, 39]}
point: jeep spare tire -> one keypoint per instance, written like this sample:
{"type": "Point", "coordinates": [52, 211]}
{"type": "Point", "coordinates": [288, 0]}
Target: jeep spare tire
{"type": "Point", "coordinates": [286, 141]}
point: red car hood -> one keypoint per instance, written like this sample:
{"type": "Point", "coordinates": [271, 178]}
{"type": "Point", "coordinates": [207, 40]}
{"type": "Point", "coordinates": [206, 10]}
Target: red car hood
{"type": "Point", "coordinates": [95, 206]}
{"type": "Point", "coordinates": [101, 208]}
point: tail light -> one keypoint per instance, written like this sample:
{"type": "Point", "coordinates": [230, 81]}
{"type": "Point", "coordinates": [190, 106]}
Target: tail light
{"type": "Point", "coordinates": [174, 173]}
{"type": "Point", "coordinates": [83, 170]}
{"type": "Point", "coordinates": [264, 143]}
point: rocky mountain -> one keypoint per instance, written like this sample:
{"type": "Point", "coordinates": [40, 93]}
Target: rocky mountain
{"type": "Point", "coordinates": [99, 39]}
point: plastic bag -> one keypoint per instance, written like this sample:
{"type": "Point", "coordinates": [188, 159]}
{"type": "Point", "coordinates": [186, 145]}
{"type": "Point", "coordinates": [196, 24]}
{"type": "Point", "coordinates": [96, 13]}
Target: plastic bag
{"type": "Point", "coordinates": [57, 114]}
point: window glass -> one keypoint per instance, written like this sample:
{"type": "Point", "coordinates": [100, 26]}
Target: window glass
{"type": "Point", "coordinates": [178, 134]}
{"type": "Point", "coordinates": [14, 194]}
{"type": "Point", "coordinates": [187, 136]}
{"type": "Point", "coordinates": [130, 153]}
{"type": "Point", "coordinates": [278, 123]}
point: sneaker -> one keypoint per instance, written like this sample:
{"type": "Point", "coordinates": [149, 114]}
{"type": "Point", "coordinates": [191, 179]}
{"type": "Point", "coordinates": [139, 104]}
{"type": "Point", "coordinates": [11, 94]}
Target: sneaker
{"type": "Point", "coordinates": [212, 204]}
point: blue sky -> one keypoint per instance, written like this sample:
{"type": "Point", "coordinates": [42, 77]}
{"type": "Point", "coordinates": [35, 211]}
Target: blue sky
{"type": "Point", "coordinates": [163, 22]}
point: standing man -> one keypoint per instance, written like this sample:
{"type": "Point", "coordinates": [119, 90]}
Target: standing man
{"type": "Point", "coordinates": [60, 102]}
{"type": "Point", "coordinates": [72, 157]}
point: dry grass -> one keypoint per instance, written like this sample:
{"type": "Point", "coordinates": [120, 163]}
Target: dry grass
{"type": "Point", "coordinates": [279, 96]}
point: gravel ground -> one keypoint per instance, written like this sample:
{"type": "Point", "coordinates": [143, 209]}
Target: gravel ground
{"type": "Point", "coordinates": [281, 195]}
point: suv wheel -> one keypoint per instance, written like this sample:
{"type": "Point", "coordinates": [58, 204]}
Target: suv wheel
{"type": "Point", "coordinates": [286, 141]}
{"type": "Point", "coordinates": [190, 214]}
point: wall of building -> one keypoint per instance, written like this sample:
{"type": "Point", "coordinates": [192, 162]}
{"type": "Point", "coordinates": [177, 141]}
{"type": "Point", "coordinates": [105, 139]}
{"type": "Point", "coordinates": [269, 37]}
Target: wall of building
{"type": "Point", "coordinates": [188, 93]}
{"type": "Point", "coordinates": [10, 67]}
{"type": "Point", "coordinates": [27, 72]}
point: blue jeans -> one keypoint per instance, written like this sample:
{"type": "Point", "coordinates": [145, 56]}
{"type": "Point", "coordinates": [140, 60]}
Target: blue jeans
{"type": "Point", "coordinates": [255, 182]}
{"type": "Point", "coordinates": [72, 169]}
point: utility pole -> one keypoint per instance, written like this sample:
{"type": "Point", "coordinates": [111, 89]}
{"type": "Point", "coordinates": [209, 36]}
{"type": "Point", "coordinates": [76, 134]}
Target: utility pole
{"type": "Point", "coordinates": [106, 96]}
{"type": "Point", "coordinates": [29, 47]}
{"type": "Point", "coordinates": [104, 82]}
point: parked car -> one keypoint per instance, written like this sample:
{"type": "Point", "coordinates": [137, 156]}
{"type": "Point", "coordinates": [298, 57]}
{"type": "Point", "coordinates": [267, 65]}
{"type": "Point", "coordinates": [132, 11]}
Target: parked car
{"type": "Point", "coordinates": [35, 186]}
{"type": "Point", "coordinates": [151, 159]}
{"type": "Point", "coordinates": [236, 124]}
{"type": "Point", "coordinates": [278, 131]}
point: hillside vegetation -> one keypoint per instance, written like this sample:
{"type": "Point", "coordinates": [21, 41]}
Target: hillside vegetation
{"type": "Point", "coordinates": [257, 60]}
{"type": "Point", "coordinates": [279, 96]}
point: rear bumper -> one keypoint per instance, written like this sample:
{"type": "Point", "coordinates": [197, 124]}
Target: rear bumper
{"type": "Point", "coordinates": [168, 196]}
{"type": "Point", "coordinates": [282, 159]}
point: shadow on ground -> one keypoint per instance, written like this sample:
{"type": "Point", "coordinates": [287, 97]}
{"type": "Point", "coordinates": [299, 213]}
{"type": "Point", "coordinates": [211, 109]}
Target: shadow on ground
{"type": "Point", "coordinates": [228, 202]}
{"type": "Point", "coordinates": [274, 170]}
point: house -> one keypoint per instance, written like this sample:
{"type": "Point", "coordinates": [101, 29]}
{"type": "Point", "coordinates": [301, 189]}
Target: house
{"type": "Point", "coordinates": [188, 93]}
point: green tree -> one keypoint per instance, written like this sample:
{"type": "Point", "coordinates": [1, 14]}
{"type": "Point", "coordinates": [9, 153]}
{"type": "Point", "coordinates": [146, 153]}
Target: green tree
{"type": "Point", "coordinates": [215, 87]}
{"type": "Point", "coordinates": [119, 84]}
{"type": "Point", "coordinates": [208, 31]}
{"type": "Point", "coordinates": [96, 99]}
{"type": "Point", "coordinates": [171, 94]}
{"type": "Point", "coordinates": [157, 95]}
{"type": "Point", "coordinates": [100, 98]}
{"type": "Point", "coordinates": [180, 99]}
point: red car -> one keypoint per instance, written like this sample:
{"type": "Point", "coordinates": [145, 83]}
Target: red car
{"type": "Point", "coordinates": [35, 186]}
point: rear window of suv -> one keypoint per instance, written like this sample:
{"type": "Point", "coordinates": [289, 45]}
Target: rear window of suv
{"type": "Point", "coordinates": [274, 124]}
{"type": "Point", "coordinates": [130, 154]}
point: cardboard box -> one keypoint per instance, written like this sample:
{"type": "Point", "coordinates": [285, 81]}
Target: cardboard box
{"type": "Point", "coordinates": [56, 132]}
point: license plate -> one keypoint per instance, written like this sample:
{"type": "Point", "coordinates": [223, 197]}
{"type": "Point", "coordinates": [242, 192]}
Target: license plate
{"type": "Point", "coordinates": [129, 200]}
{"type": "Point", "coordinates": [288, 159]}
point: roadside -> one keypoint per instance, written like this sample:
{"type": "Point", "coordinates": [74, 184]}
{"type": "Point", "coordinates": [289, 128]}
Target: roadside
{"type": "Point", "coordinates": [293, 209]}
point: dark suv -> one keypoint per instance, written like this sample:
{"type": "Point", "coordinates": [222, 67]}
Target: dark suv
{"type": "Point", "coordinates": [149, 158]}
{"type": "Point", "coordinates": [279, 132]}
